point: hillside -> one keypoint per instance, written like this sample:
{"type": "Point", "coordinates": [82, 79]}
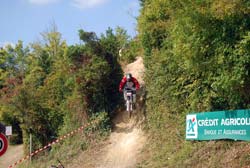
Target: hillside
{"type": "Point", "coordinates": [196, 56]}
{"type": "Point", "coordinates": [123, 147]}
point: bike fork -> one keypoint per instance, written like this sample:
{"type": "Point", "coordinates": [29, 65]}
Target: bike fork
{"type": "Point", "coordinates": [127, 106]}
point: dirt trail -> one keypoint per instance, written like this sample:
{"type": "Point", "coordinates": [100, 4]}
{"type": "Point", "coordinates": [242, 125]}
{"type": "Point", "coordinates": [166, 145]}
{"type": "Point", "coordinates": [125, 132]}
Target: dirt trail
{"type": "Point", "coordinates": [125, 143]}
{"type": "Point", "coordinates": [127, 139]}
{"type": "Point", "coordinates": [13, 153]}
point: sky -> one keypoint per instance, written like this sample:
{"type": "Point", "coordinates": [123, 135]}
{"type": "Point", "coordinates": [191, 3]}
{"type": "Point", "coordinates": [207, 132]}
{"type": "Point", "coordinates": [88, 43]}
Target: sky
{"type": "Point", "coordinates": [25, 20]}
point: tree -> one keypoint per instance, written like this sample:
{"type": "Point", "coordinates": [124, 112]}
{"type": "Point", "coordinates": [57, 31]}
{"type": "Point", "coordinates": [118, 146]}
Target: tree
{"type": "Point", "coordinates": [13, 69]}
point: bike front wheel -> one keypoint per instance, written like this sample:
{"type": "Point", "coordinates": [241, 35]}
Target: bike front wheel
{"type": "Point", "coordinates": [129, 107]}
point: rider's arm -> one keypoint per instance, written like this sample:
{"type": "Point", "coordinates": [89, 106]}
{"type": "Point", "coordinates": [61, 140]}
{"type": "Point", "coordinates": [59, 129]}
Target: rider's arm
{"type": "Point", "coordinates": [122, 83]}
{"type": "Point", "coordinates": [137, 85]}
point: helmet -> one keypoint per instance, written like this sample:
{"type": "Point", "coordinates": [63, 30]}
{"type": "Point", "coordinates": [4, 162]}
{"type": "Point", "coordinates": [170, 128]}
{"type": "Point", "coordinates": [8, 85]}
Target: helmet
{"type": "Point", "coordinates": [128, 76]}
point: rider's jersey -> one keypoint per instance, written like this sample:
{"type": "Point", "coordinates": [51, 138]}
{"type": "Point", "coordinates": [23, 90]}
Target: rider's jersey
{"type": "Point", "coordinates": [131, 84]}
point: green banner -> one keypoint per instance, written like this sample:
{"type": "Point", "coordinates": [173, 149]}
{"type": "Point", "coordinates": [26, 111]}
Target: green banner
{"type": "Point", "coordinates": [218, 125]}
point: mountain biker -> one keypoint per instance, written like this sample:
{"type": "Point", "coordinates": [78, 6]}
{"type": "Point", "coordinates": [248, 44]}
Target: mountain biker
{"type": "Point", "coordinates": [129, 82]}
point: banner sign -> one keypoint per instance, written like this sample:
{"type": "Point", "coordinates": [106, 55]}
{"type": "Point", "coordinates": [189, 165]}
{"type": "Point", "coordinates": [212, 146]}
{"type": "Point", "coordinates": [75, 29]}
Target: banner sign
{"type": "Point", "coordinates": [218, 125]}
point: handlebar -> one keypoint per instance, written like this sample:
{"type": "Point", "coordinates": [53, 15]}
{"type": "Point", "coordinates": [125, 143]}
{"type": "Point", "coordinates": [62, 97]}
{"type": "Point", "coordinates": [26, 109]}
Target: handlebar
{"type": "Point", "coordinates": [129, 89]}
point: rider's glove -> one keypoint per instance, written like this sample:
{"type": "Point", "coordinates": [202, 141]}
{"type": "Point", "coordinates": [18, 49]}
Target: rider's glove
{"type": "Point", "coordinates": [120, 90]}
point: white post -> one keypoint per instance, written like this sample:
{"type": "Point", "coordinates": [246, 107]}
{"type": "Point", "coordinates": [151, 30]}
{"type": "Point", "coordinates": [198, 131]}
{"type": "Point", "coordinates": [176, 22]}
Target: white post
{"type": "Point", "coordinates": [30, 146]}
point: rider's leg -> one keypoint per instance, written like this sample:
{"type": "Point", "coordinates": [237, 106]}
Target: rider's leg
{"type": "Point", "coordinates": [134, 97]}
{"type": "Point", "coordinates": [125, 99]}
{"type": "Point", "coordinates": [125, 95]}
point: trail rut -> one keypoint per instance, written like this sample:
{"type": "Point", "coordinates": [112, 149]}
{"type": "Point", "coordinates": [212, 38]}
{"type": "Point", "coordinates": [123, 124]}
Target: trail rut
{"type": "Point", "coordinates": [125, 145]}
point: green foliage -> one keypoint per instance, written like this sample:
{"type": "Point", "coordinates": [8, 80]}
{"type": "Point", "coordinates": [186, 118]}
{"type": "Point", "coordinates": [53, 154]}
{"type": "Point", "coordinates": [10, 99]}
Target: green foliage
{"type": "Point", "coordinates": [111, 43]}
{"type": "Point", "coordinates": [119, 42]}
{"type": "Point", "coordinates": [10, 120]}
{"type": "Point", "coordinates": [13, 67]}
{"type": "Point", "coordinates": [130, 51]}
{"type": "Point", "coordinates": [52, 88]}
{"type": "Point", "coordinates": [103, 126]}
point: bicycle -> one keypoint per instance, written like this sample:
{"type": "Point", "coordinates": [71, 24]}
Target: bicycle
{"type": "Point", "coordinates": [60, 165]}
{"type": "Point", "coordinates": [129, 100]}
